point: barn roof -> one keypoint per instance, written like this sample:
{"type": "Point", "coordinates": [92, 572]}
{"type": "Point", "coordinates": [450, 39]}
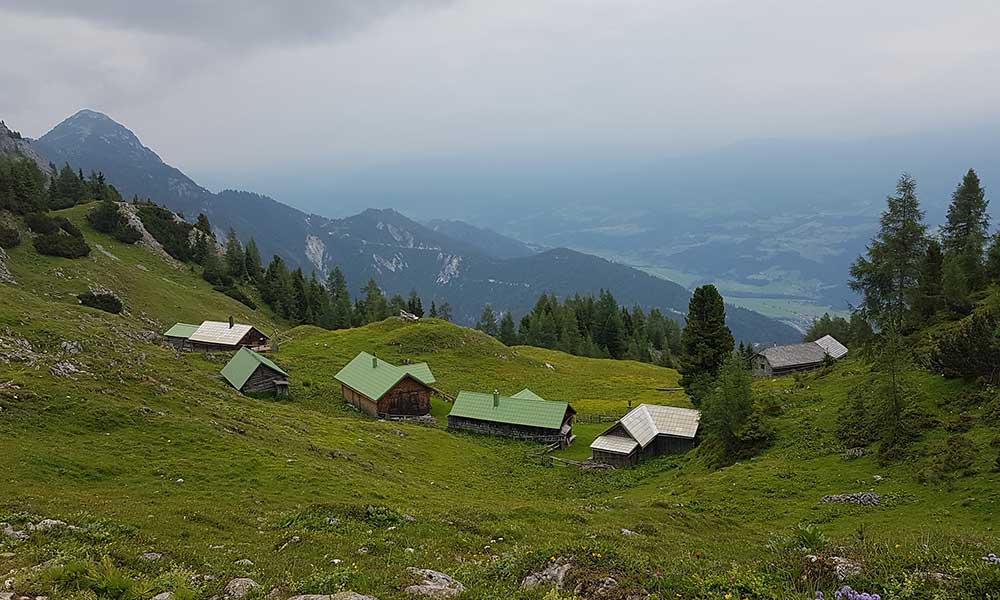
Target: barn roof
{"type": "Point", "coordinates": [219, 332]}
{"type": "Point", "coordinates": [794, 355]}
{"type": "Point", "coordinates": [528, 394]}
{"type": "Point", "coordinates": [615, 444]}
{"type": "Point", "coordinates": [181, 330]}
{"type": "Point", "coordinates": [374, 377]}
{"type": "Point", "coordinates": [524, 408]}
{"type": "Point", "coordinates": [832, 346]}
{"type": "Point", "coordinates": [243, 364]}
{"type": "Point", "coordinates": [645, 422]}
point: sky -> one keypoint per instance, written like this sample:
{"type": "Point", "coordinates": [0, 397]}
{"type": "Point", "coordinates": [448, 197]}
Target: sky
{"type": "Point", "coordinates": [228, 89]}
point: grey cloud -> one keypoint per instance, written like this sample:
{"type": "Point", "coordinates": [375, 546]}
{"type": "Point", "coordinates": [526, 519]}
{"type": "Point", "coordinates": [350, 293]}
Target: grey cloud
{"type": "Point", "coordinates": [230, 22]}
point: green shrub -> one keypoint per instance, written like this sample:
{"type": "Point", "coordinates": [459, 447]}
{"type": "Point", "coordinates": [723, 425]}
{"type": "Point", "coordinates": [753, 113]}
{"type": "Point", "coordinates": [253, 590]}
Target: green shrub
{"type": "Point", "coordinates": [41, 223]}
{"type": "Point", "coordinates": [61, 244]}
{"type": "Point", "coordinates": [107, 218]}
{"type": "Point", "coordinates": [970, 347]}
{"type": "Point", "coordinates": [171, 232]}
{"type": "Point", "coordinates": [955, 460]}
{"type": "Point", "coordinates": [102, 301]}
{"type": "Point", "coordinates": [10, 237]}
{"type": "Point", "coordinates": [237, 294]}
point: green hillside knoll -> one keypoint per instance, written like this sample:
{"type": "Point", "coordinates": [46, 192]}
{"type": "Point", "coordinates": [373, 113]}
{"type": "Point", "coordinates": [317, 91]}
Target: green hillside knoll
{"type": "Point", "coordinates": [150, 451]}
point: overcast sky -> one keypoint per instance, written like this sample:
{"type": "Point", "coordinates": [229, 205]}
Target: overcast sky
{"type": "Point", "coordinates": [222, 87]}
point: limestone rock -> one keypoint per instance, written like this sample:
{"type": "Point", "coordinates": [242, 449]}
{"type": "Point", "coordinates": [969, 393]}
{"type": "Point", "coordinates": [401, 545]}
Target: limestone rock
{"type": "Point", "coordinates": [151, 556]}
{"type": "Point", "coordinates": [860, 498]}
{"type": "Point", "coordinates": [434, 584]}
{"type": "Point", "coordinates": [554, 574]}
{"type": "Point", "coordinates": [244, 562]}
{"type": "Point", "coordinates": [239, 587]}
{"type": "Point", "coordinates": [163, 596]}
{"type": "Point", "coordinates": [337, 596]}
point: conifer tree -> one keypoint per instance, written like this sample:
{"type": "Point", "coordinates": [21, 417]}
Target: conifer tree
{"type": "Point", "coordinates": [955, 286]}
{"type": "Point", "coordinates": [444, 311]}
{"type": "Point", "coordinates": [992, 269]}
{"type": "Point", "coordinates": [252, 261]}
{"type": "Point", "coordinates": [508, 333]}
{"type": "Point", "coordinates": [375, 305]}
{"type": "Point", "coordinates": [928, 298]}
{"type": "Point", "coordinates": [727, 408]}
{"type": "Point", "coordinates": [888, 276]}
{"type": "Point", "coordinates": [235, 259]}
{"type": "Point", "coordinates": [706, 342]}
{"type": "Point", "coordinates": [202, 224]}
{"type": "Point", "coordinates": [414, 305]}
{"type": "Point", "coordinates": [340, 300]}
{"type": "Point", "coordinates": [965, 232]}
{"type": "Point", "coordinates": [434, 310]}
{"type": "Point", "coordinates": [487, 322]}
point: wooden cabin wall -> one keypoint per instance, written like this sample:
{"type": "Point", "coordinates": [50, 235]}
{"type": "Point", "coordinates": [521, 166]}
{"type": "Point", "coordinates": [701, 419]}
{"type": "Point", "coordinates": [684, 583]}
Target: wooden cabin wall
{"type": "Point", "coordinates": [409, 397]}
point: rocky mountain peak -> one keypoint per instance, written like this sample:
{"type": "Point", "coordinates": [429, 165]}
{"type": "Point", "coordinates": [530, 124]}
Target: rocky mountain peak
{"type": "Point", "coordinates": [91, 128]}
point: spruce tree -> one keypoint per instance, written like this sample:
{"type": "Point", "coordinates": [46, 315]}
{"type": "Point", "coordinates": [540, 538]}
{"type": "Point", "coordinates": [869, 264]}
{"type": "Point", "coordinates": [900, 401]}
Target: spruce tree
{"type": "Point", "coordinates": [444, 311]}
{"type": "Point", "coordinates": [434, 310]}
{"type": "Point", "coordinates": [202, 224]}
{"type": "Point", "coordinates": [235, 258]}
{"type": "Point", "coordinates": [487, 322]}
{"type": "Point", "coordinates": [992, 269]}
{"type": "Point", "coordinates": [955, 286]}
{"type": "Point", "coordinates": [928, 297]}
{"type": "Point", "coordinates": [252, 261]}
{"type": "Point", "coordinates": [376, 307]}
{"type": "Point", "coordinates": [727, 408]}
{"type": "Point", "coordinates": [508, 333]}
{"type": "Point", "coordinates": [706, 342]}
{"type": "Point", "coordinates": [340, 300]}
{"type": "Point", "coordinates": [414, 305]}
{"type": "Point", "coordinates": [888, 276]}
{"type": "Point", "coordinates": [964, 233]}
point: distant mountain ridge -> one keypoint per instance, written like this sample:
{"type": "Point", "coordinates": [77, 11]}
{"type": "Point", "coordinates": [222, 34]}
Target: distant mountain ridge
{"type": "Point", "coordinates": [399, 253]}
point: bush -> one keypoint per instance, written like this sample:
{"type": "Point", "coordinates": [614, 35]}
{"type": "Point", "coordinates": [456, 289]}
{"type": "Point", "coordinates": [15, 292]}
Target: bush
{"type": "Point", "coordinates": [171, 233]}
{"type": "Point", "coordinates": [102, 301]}
{"type": "Point", "coordinates": [238, 295]}
{"type": "Point", "coordinates": [60, 244]}
{"type": "Point", "coordinates": [10, 237]}
{"type": "Point", "coordinates": [970, 347]}
{"type": "Point", "coordinates": [956, 459]}
{"type": "Point", "coordinates": [41, 223]}
{"type": "Point", "coordinates": [68, 227]}
{"type": "Point", "coordinates": [107, 218]}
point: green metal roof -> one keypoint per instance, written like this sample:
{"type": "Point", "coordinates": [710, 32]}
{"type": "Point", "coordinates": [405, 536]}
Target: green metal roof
{"type": "Point", "coordinates": [243, 364]}
{"type": "Point", "coordinates": [181, 330]}
{"type": "Point", "coordinates": [375, 381]}
{"type": "Point", "coordinates": [520, 409]}
{"type": "Point", "coordinates": [527, 395]}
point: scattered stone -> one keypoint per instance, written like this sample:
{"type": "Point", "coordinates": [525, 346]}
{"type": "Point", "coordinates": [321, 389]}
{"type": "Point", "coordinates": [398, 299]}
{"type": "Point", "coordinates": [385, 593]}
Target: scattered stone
{"type": "Point", "coordinates": [845, 568]}
{"type": "Point", "coordinates": [105, 252]}
{"type": "Point", "coordinates": [293, 540]}
{"type": "Point", "coordinates": [47, 524]}
{"type": "Point", "coordinates": [5, 275]}
{"type": "Point", "coordinates": [824, 566]}
{"type": "Point", "coordinates": [244, 562]}
{"type": "Point", "coordinates": [877, 477]}
{"type": "Point", "coordinates": [71, 347]}
{"type": "Point", "coordinates": [553, 574]}
{"type": "Point", "coordinates": [599, 589]}
{"type": "Point", "coordinates": [628, 532]}
{"type": "Point", "coordinates": [399, 432]}
{"type": "Point", "coordinates": [12, 533]}
{"type": "Point", "coordinates": [64, 369]}
{"type": "Point", "coordinates": [151, 556]}
{"type": "Point", "coordinates": [860, 498]}
{"type": "Point", "coordinates": [409, 518]}
{"type": "Point", "coordinates": [163, 596]}
{"type": "Point", "coordinates": [434, 584]}
{"type": "Point", "coordinates": [549, 366]}
{"type": "Point", "coordinates": [853, 453]}
{"type": "Point", "coordinates": [337, 596]}
{"type": "Point", "coordinates": [239, 587]}
{"type": "Point", "coordinates": [6, 595]}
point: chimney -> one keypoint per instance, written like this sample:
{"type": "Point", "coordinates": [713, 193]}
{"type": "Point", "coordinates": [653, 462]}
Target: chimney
{"type": "Point", "coordinates": [496, 398]}
{"type": "Point", "coordinates": [374, 361]}
{"type": "Point", "coordinates": [231, 323]}
{"type": "Point", "coordinates": [629, 409]}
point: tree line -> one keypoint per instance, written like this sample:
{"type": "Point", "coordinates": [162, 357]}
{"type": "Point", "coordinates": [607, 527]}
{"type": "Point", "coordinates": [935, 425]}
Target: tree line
{"type": "Point", "coordinates": [588, 326]}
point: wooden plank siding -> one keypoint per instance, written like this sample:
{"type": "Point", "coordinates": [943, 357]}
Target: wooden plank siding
{"type": "Point", "coordinates": [264, 379]}
{"type": "Point", "coordinates": [408, 398]}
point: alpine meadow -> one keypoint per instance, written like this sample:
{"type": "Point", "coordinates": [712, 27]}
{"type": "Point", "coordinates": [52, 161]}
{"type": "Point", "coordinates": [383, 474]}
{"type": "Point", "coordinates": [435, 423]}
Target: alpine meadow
{"type": "Point", "coordinates": [610, 301]}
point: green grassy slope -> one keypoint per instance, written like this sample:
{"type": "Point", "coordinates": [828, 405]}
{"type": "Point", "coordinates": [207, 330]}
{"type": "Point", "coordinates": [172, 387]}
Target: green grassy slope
{"type": "Point", "coordinates": [150, 451]}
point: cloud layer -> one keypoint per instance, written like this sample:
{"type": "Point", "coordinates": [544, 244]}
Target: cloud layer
{"type": "Point", "coordinates": [226, 87]}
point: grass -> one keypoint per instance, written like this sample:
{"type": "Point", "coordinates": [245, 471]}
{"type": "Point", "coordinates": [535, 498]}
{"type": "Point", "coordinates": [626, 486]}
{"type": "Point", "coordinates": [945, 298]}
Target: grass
{"type": "Point", "coordinates": [150, 451]}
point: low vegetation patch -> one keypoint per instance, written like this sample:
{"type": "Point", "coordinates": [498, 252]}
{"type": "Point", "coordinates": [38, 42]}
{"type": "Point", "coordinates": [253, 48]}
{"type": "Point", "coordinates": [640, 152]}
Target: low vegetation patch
{"type": "Point", "coordinates": [10, 237]}
{"type": "Point", "coordinates": [105, 301]}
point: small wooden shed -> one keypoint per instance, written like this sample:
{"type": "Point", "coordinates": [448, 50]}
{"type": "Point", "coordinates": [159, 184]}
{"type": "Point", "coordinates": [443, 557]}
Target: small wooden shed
{"type": "Point", "coordinates": [250, 373]}
{"type": "Point", "coordinates": [647, 430]}
{"type": "Point", "coordinates": [382, 389]}
{"type": "Point", "coordinates": [523, 416]}
{"type": "Point", "coordinates": [179, 334]}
